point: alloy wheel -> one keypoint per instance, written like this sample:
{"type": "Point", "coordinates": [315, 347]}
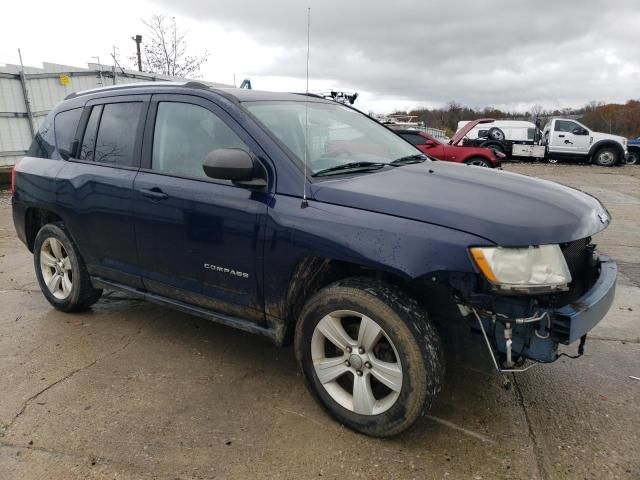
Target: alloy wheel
{"type": "Point", "coordinates": [55, 266]}
{"type": "Point", "coordinates": [356, 362]}
{"type": "Point", "coordinates": [478, 163]}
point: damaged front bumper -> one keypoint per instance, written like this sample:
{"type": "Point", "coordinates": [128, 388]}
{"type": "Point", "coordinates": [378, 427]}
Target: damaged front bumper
{"type": "Point", "coordinates": [535, 335]}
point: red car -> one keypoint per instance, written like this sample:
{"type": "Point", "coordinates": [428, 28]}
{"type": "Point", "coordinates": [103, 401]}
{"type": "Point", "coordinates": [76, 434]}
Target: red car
{"type": "Point", "coordinates": [453, 151]}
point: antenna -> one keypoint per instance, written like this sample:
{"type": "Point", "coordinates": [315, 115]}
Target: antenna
{"type": "Point", "coordinates": [306, 116]}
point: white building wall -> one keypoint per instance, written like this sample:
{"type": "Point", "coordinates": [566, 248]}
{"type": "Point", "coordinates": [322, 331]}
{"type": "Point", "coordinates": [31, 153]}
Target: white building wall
{"type": "Point", "coordinates": [45, 90]}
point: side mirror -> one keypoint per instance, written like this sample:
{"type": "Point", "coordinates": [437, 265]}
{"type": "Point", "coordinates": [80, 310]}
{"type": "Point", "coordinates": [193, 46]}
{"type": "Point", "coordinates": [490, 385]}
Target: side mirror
{"type": "Point", "coordinates": [236, 165]}
{"type": "Point", "coordinates": [429, 144]}
{"type": "Point", "coordinates": [579, 131]}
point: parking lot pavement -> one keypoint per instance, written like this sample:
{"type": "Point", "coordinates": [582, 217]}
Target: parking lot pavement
{"type": "Point", "coordinates": [130, 390]}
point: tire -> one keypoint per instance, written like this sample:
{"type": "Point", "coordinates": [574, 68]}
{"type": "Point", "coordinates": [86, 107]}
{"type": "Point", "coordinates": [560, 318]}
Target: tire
{"type": "Point", "coordinates": [479, 162]}
{"type": "Point", "coordinates": [55, 255]}
{"type": "Point", "coordinates": [606, 157]}
{"type": "Point", "coordinates": [496, 133]}
{"type": "Point", "coordinates": [633, 158]}
{"type": "Point", "coordinates": [406, 341]}
{"type": "Point", "coordinates": [495, 147]}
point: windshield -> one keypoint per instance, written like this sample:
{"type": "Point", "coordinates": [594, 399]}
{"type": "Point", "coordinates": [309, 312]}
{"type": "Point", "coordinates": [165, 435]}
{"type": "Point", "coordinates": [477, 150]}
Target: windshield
{"type": "Point", "coordinates": [337, 135]}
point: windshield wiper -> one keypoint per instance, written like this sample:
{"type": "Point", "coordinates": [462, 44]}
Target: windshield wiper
{"type": "Point", "coordinates": [350, 167]}
{"type": "Point", "coordinates": [418, 158]}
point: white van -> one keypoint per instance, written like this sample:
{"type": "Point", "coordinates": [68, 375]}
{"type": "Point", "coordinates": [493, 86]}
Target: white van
{"type": "Point", "coordinates": [514, 130]}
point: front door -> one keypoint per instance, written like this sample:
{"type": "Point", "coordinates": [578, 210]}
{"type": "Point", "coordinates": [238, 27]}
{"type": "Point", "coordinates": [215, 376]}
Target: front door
{"type": "Point", "coordinates": [199, 240]}
{"type": "Point", "coordinates": [564, 140]}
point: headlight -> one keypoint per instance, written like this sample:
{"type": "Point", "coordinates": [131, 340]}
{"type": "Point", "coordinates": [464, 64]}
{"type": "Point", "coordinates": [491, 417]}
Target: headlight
{"type": "Point", "coordinates": [526, 270]}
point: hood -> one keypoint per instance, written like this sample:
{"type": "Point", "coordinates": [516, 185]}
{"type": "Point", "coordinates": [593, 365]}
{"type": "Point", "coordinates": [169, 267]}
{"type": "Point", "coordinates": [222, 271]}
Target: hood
{"type": "Point", "coordinates": [505, 208]}
{"type": "Point", "coordinates": [460, 134]}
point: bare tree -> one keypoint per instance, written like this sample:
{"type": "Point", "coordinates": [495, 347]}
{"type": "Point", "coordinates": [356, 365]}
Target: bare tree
{"type": "Point", "coordinates": [165, 51]}
{"type": "Point", "coordinates": [536, 111]}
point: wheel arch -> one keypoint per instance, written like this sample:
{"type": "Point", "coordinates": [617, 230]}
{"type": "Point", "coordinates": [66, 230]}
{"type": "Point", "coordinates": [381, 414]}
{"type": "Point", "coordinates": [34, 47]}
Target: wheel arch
{"type": "Point", "coordinates": [634, 148]}
{"type": "Point", "coordinates": [606, 143]}
{"type": "Point", "coordinates": [35, 219]}
{"type": "Point", "coordinates": [312, 274]}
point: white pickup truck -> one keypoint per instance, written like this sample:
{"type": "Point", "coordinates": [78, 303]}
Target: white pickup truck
{"type": "Point", "coordinates": [561, 139]}
{"type": "Point", "coordinates": [569, 139]}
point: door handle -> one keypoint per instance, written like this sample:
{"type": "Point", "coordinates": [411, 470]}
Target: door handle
{"type": "Point", "coordinates": [560, 136]}
{"type": "Point", "coordinates": [153, 193]}
{"type": "Point", "coordinates": [566, 142]}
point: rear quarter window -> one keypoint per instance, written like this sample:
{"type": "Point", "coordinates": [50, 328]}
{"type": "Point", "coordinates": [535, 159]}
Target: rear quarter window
{"type": "Point", "coordinates": [65, 125]}
{"type": "Point", "coordinates": [44, 143]}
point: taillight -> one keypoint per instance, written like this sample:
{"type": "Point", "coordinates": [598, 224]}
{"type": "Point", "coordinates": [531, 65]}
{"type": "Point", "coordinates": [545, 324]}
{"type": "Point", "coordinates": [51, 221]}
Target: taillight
{"type": "Point", "coordinates": [13, 178]}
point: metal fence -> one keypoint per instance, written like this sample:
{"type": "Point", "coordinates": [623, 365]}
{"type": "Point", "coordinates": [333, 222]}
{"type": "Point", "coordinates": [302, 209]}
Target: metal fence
{"type": "Point", "coordinates": [435, 132]}
{"type": "Point", "coordinates": [27, 95]}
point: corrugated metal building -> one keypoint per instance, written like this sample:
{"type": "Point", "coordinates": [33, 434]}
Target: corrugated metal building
{"type": "Point", "coordinates": [27, 96]}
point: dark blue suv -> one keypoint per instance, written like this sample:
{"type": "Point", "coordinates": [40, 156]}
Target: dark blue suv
{"type": "Point", "coordinates": [306, 221]}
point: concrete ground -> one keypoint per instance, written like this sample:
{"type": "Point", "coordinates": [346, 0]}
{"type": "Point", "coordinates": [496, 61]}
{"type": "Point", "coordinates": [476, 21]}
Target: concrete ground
{"type": "Point", "coordinates": [129, 390]}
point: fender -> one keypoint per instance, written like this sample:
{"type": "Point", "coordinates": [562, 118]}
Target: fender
{"type": "Point", "coordinates": [405, 249]}
{"type": "Point", "coordinates": [606, 143]}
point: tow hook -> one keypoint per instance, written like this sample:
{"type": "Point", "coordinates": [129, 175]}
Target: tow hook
{"type": "Point", "coordinates": [542, 332]}
{"type": "Point", "coordinates": [507, 338]}
{"type": "Point", "coordinates": [508, 335]}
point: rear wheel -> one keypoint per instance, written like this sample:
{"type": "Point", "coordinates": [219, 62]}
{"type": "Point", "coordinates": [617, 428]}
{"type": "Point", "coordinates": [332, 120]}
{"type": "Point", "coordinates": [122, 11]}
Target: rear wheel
{"type": "Point", "coordinates": [606, 157]}
{"type": "Point", "coordinates": [370, 355]}
{"type": "Point", "coordinates": [479, 162]}
{"type": "Point", "coordinates": [495, 147]}
{"type": "Point", "coordinates": [60, 270]}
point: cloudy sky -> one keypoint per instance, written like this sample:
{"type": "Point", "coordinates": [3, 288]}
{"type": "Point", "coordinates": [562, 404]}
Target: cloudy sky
{"type": "Point", "coordinates": [397, 54]}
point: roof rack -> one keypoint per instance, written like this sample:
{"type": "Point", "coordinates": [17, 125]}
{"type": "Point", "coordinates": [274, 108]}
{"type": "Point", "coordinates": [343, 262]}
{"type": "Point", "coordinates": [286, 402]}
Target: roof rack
{"type": "Point", "coordinates": [190, 84]}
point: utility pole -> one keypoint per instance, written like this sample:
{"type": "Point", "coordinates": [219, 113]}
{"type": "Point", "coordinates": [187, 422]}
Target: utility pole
{"type": "Point", "coordinates": [100, 71]}
{"type": "Point", "coordinates": [25, 93]}
{"type": "Point", "coordinates": [138, 40]}
{"type": "Point", "coordinates": [115, 75]}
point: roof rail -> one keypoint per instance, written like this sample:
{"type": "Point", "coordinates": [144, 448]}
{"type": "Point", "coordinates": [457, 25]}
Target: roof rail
{"type": "Point", "coordinates": [137, 85]}
{"type": "Point", "coordinates": [193, 84]}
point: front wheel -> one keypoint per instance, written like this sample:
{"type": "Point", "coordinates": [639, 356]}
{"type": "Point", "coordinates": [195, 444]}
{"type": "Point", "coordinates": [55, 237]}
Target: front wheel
{"type": "Point", "coordinates": [478, 162]}
{"type": "Point", "coordinates": [606, 157]}
{"type": "Point", "coordinates": [370, 355]}
{"type": "Point", "coordinates": [60, 270]}
{"type": "Point", "coordinates": [633, 158]}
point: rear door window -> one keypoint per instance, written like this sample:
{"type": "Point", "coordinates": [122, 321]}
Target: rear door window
{"type": "Point", "coordinates": [65, 125]}
{"type": "Point", "coordinates": [117, 134]}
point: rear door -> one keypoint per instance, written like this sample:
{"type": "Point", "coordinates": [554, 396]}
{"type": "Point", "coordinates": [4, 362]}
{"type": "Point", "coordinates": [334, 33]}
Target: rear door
{"type": "Point", "coordinates": [95, 186]}
{"type": "Point", "coordinates": [199, 240]}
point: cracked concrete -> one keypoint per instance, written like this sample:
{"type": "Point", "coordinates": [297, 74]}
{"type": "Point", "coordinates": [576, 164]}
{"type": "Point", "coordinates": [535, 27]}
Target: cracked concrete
{"type": "Point", "coordinates": [130, 390]}
{"type": "Point", "coordinates": [532, 435]}
{"type": "Point", "coordinates": [33, 397]}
